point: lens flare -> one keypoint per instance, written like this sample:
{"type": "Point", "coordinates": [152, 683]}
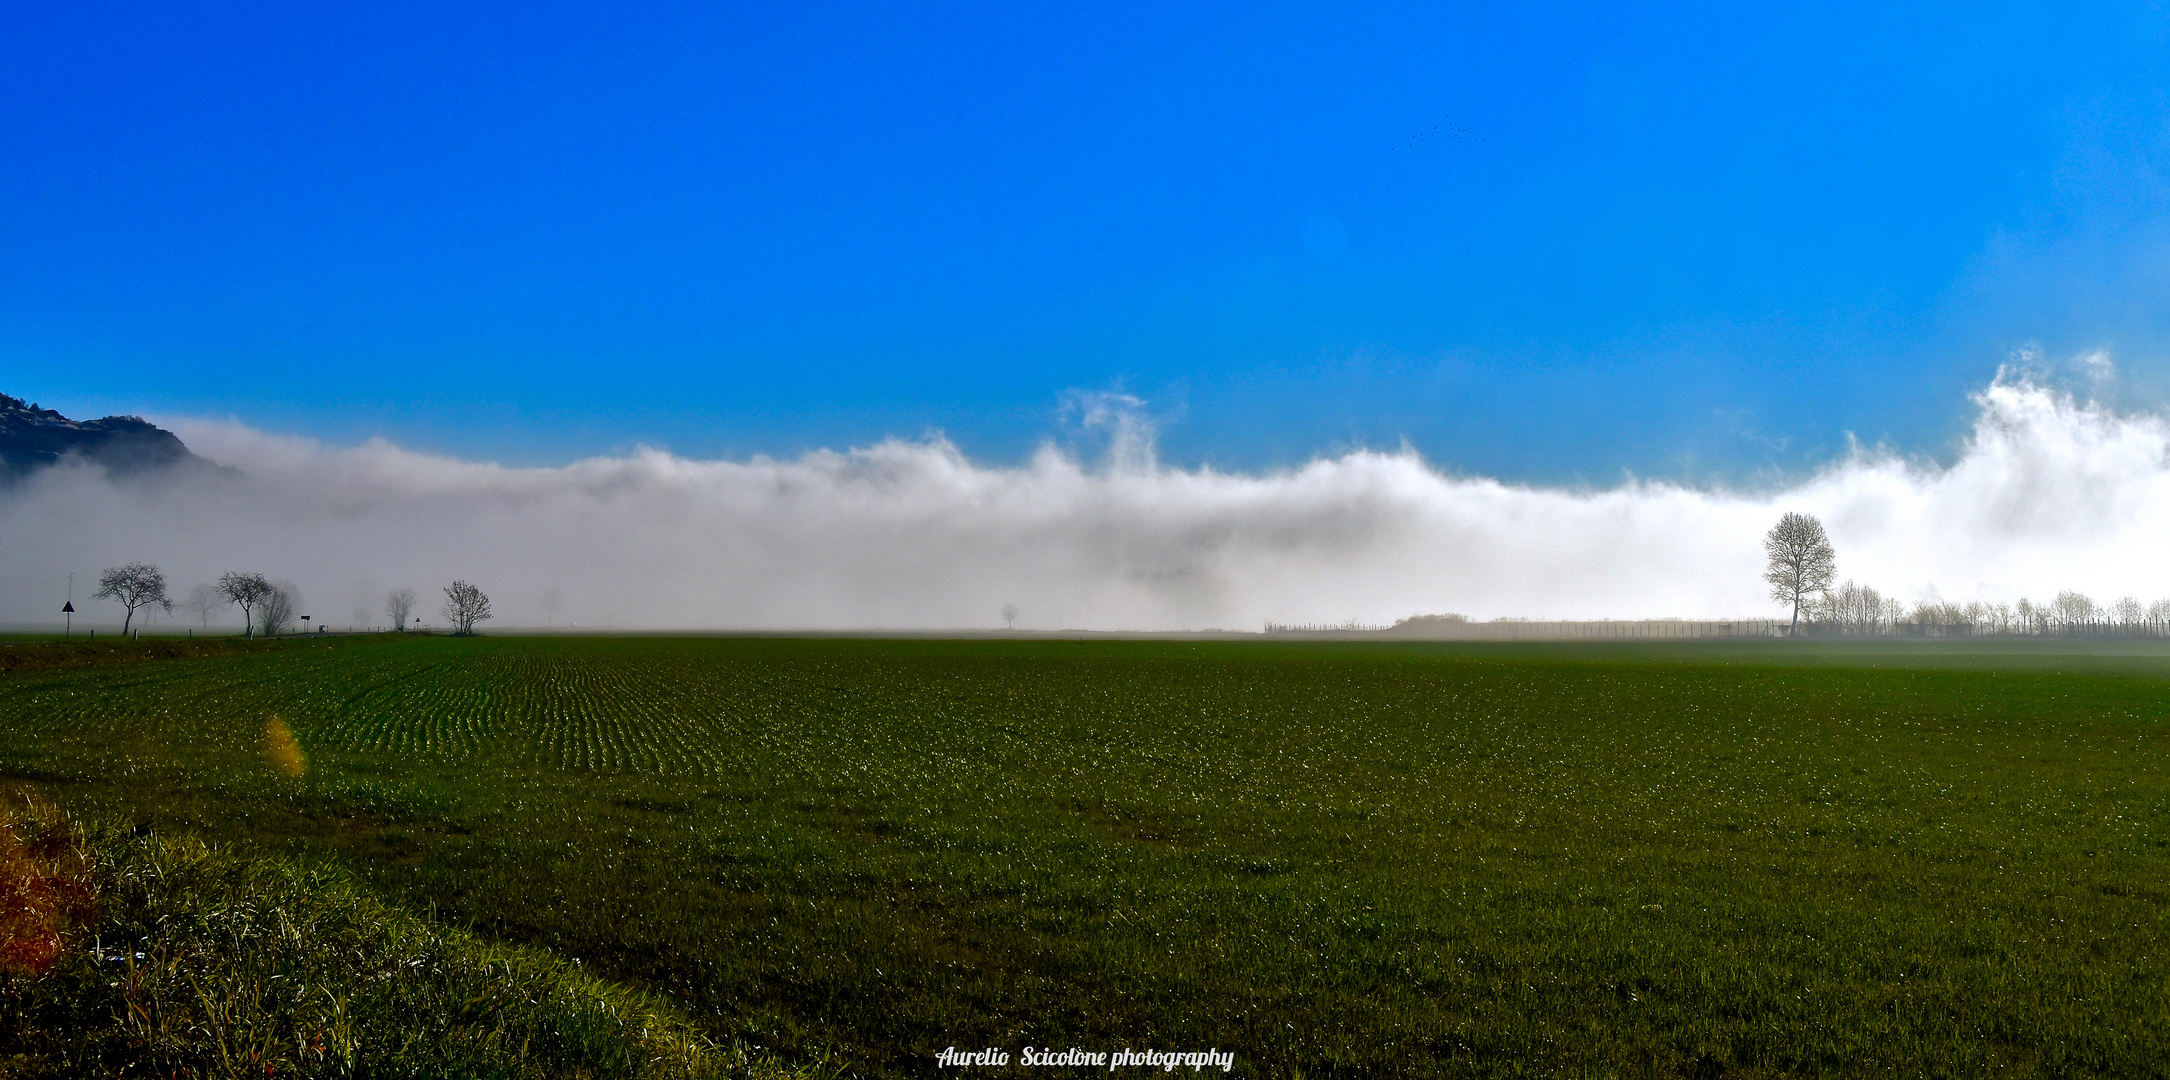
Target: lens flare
{"type": "Point", "coordinates": [282, 750]}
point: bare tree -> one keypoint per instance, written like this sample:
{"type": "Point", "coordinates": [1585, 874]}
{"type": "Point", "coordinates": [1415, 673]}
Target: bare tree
{"type": "Point", "coordinates": [2072, 609]}
{"type": "Point", "coordinates": [276, 614]}
{"type": "Point", "coordinates": [132, 586]}
{"type": "Point", "coordinates": [1009, 616]}
{"type": "Point", "coordinates": [2129, 613]}
{"type": "Point", "coordinates": [2027, 618]}
{"type": "Point", "coordinates": [2007, 619]}
{"type": "Point", "coordinates": [1933, 611]}
{"type": "Point", "coordinates": [399, 604]}
{"type": "Point", "coordinates": [465, 606]}
{"type": "Point", "coordinates": [1856, 609]}
{"type": "Point", "coordinates": [203, 602]}
{"type": "Point", "coordinates": [1927, 613]}
{"type": "Point", "coordinates": [247, 591]}
{"type": "Point", "coordinates": [1802, 562]}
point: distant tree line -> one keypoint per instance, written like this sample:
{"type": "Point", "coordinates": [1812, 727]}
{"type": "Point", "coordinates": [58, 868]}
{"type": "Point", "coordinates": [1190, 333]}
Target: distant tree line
{"type": "Point", "coordinates": [1860, 610]}
{"type": "Point", "coordinates": [267, 608]}
{"type": "Point", "coordinates": [1801, 565]}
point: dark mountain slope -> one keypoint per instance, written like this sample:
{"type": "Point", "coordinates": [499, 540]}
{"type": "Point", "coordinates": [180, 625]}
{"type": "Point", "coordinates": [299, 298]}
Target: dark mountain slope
{"type": "Point", "coordinates": [32, 438]}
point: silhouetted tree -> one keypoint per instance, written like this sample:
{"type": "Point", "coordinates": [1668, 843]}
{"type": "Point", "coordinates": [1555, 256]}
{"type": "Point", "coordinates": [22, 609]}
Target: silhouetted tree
{"type": "Point", "coordinates": [1801, 562]}
{"type": "Point", "coordinates": [1891, 613]}
{"type": "Point", "coordinates": [465, 606]}
{"type": "Point", "coordinates": [399, 604]}
{"type": "Point", "coordinates": [277, 612]}
{"type": "Point", "coordinates": [2026, 618]}
{"type": "Point", "coordinates": [2072, 609]}
{"type": "Point", "coordinates": [247, 591]}
{"type": "Point", "coordinates": [132, 586]}
{"type": "Point", "coordinates": [2129, 613]}
{"type": "Point", "coordinates": [1934, 611]}
{"type": "Point", "coordinates": [1857, 609]}
{"type": "Point", "coordinates": [1009, 616]}
{"type": "Point", "coordinates": [203, 602]}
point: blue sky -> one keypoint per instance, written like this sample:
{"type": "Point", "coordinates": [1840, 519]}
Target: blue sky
{"type": "Point", "coordinates": [1548, 243]}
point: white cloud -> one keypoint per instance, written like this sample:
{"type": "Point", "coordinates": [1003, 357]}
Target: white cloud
{"type": "Point", "coordinates": [2048, 493]}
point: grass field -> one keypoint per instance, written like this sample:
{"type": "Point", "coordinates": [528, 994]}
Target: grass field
{"type": "Point", "coordinates": [1348, 860]}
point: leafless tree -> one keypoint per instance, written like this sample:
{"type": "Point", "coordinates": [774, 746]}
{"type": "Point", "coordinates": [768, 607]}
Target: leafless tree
{"type": "Point", "coordinates": [1802, 562]}
{"type": "Point", "coordinates": [399, 604]}
{"type": "Point", "coordinates": [465, 606]}
{"type": "Point", "coordinates": [203, 602]}
{"type": "Point", "coordinates": [1853, 609]}
{"type": "Point", "coordinates": [279, 607]}
{"type": "Point", "coordinates": [2072, 609]}
{"type": "Point", "coordinates": [2027, 618]}
{"type": "Point", "coordinates": [2159, 611]}
{"type": "Point", "coordinates": [1009, 616]}
{"type": "Point", "coordinates": [1944, 616]}
{"type": "Point", "coordinates": [2003, 618]}
{"type": "Point", "coordinates": [132, 586]}
{"type": "Point", "coordinates": [247, 591]}
{"type": "Point", "coordinates": [2129, 613]}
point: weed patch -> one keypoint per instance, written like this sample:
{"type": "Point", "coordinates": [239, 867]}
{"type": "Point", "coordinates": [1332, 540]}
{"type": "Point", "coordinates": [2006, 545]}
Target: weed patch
{"type": "Point", "coordinates": [202, 962]}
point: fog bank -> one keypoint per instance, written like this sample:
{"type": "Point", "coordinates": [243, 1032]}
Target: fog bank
{"type": "Point", "coordinates": [2047, 493]}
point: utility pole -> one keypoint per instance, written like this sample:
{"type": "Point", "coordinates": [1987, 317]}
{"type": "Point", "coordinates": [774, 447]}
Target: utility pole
{"type": "Point", "coordinates": [67, 609]}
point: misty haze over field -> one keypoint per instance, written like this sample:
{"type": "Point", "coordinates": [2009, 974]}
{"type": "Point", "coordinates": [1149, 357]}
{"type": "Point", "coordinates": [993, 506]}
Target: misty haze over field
{"type": "Point", "coordinates": [2049, 492]}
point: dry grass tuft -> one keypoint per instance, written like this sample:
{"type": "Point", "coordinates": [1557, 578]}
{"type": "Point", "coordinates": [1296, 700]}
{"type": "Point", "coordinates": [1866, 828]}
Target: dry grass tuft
{"type": "Point", "coordinates": [199, 961]}
{"type": "Point", "coordinates": [46, 893]}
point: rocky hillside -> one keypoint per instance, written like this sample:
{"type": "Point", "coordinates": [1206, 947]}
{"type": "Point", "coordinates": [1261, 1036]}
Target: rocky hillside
{"type": "Point", "coordinates": [32, 438]}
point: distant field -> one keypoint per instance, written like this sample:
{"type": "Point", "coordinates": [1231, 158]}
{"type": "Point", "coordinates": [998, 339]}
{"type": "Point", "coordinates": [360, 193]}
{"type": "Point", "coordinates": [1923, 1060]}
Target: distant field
{"type": "Point", "coordinates": [1753, 859]}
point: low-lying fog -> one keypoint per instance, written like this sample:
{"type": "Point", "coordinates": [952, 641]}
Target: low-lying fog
{"type": "Point", "coordinates": [2048, 493]}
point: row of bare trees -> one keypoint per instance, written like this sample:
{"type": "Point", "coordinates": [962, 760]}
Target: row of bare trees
{"type": "Point", "coordinates": [1802, 565]}
{"type": "Point", "coordinates": [267, 608]}
{"type": "Point", "coordinates": [464, 606]}
{"type": "Point", "coordinates": [1859, 609]}
{"type": "Point", "coordinates": [264, 606]}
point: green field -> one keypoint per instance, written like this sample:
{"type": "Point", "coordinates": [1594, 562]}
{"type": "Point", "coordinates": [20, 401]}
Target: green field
{"type": "Point", "coordinates": [1348, 860]}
